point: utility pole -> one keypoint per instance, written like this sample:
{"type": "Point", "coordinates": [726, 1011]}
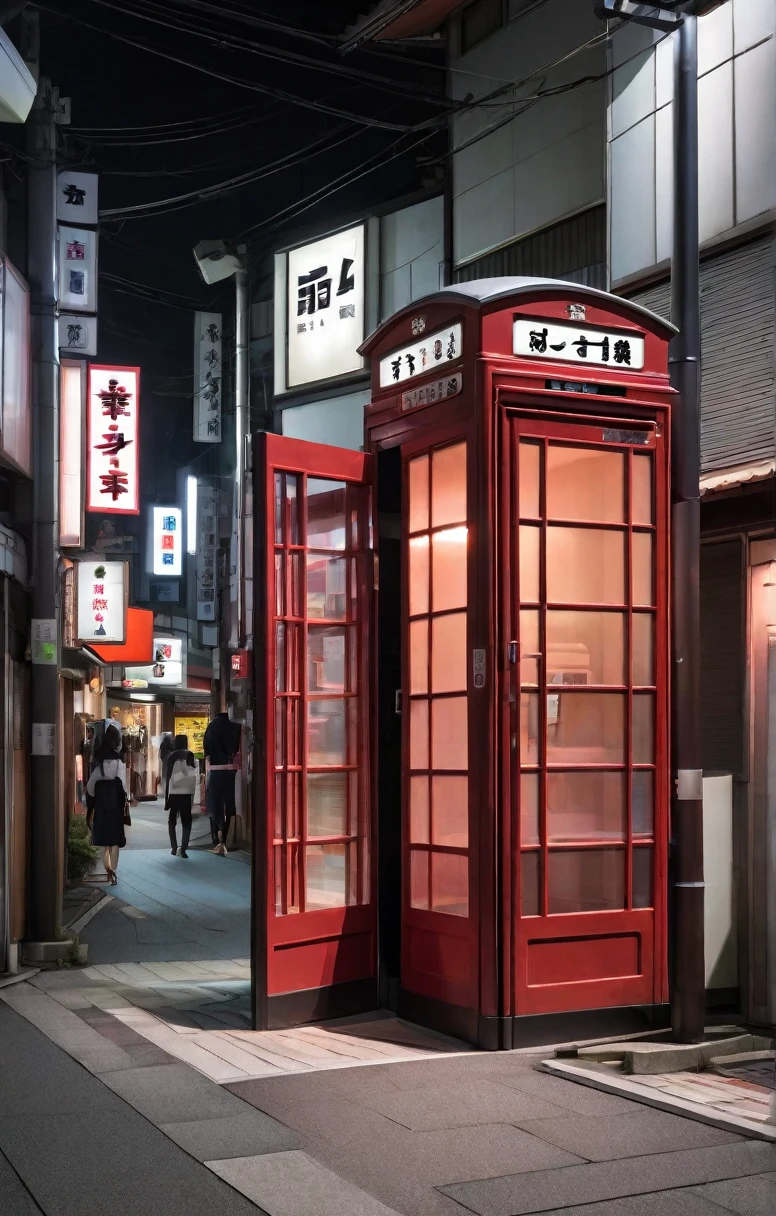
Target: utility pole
{"type": "Point", "coordinates": [46, 831]}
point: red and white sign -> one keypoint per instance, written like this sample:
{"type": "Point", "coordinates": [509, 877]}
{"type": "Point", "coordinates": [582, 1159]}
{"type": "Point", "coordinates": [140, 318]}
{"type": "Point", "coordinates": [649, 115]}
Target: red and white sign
{"type": "Point", "coordinates": [101, 601]}
{"type": "Point", "coordinates": [113, 440]}
{"type": "Point", "coordinates": [241, 664]}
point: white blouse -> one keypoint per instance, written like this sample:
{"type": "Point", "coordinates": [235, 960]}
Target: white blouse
{"type": "Point", "coordinates": [106, 772]}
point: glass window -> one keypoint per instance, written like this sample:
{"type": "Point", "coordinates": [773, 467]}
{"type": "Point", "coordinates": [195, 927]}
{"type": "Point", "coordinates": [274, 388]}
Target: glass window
{"type": "Point", "coordinates": [450, 811]}
{"type": "Point", "coordinates": [642, 509]}
{"type": "Point", "coordinates": [326, 587]}
{"type": "Point", "coordinates": [644, 728]}
{"type": "Point", "coordinates": [418, 878]}
{"type": "Point", "coordinates": [643, 568]}
{"type": "Point", "coordinates": [585, 565]}
{"type": "Point", "coordinates": [586, 880]}
{"type": "Point", "coordinates": [530, 884]}
{"type": "Point", "coordinates": [419, 734]}
{"type": "Point", "coordinates": [280, 585]}
{"type": "Point", "coordinates": [642, 877]}
{"type": "Point", "coordinates": [280, 657]}
{"type": "Point", "coordinates": [448, 564]}
{"type": "Point", "coordinates": [418, 575]}
{"type": "Point", "coordinates": [643, 649]}
{"type": "Point", "coordinates": [278, 508]}
{"type": "Point", "coordinates": [586, 728]}
{"type": "Point", "coordinates": [448, 653]}
{"type": "Point", "coordinates": [585, 483]}
{"type": "Point", "coordinates": [292, 505]}
{"type": "Point", "coordinates": [326, 514]}
{"type": "Point", "coordinates": [529, 728]}
{"type": "Point", "coordinates": [449, 733]}
{"type": "Point", "coordinates": [326, 879]}
{"type": "Point", "coordinates": [418, 492]}
{"type": "Point", "coordinates": [326, 647]}
{"type": "Point", "coordinates": [448, 486]}
{"type": "Point", "coordinates": [327, 804]}
{"type": "Point", "coordinates": [529, 808]}
{"type": "Point", "coordinates": [586, 806]}
{"type": "Point", "coordinates": [450, 884]}
{"type": "Point", "coordinates": [529, 545]}
{"type": "Point", "coordinates": [419, 656]}
{"type": "Point", "coordinates": [326, 732]}
{"type": "Point", "coordinates": [419, 816]}
{"type": "Point", "coordinates": [643, 802]}
{"type": "Point", "coordinates": [586, 647]}
{"type": "Point", "coordinates": [529, 646]}
{"type": "Point", "coordinates": [529, 474]}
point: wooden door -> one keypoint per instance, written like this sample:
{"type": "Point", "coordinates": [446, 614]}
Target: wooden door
{"type": "Point", "coordinates": [587, 778]}
{"type": "Point", "coordinates": [314, 909]}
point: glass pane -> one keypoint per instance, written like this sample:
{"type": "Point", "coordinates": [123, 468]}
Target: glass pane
{"type": "Point", "coordinates": [419, 656]}
{"type": "Point", "coordinates": [277, 871]}
{"type": "Point", "coordinates": [528, 479]}
{"type": "Point", "coordinates": [586, 880]}
{"type": "Point", "coordinates": [294, 751]}
{"type": "Point", "coordinates": [418, 879]}
{"type": "Point", "coordinates": [450, 811]}
{"type": "Point", "coordinates": [327, 804]}
{"type": "Point", "coordinates": [280, 782]}
{"type": "Point", "coordinates": [585, 483]}
{"type": "Point", "coordinates": [449, 731]}
{"type": "Point", "coordinates": [529, 646]}
{"type": "Point", "coordinates": [278, 508]}
{"type": "Point", "coordinates": [294, 805]}
{"type": "Point", "coordinates": [326, 514]}
{"type": "Point", "coordinates": [643, 561]}
{"type": "Point", "coordinates": [644, 728]}
{"type": "Point", "coordinates": [280, 586]}
{"type": "Point", "coordinates": [419, 821]}
{"type": "Point", "coordinates": [530, 884]}
{"type": "Point", "coordinates": [529, 728]}
{"type": "Point", "coordinates": [642, 509]}
{"type": "Point", "coordinates": [280, 730]}
{"type": "Point", "coordinates": [586, 728]}
{"type": "Point", "coordinates": [642, 878]}
{"type": "Point", "coordinates": [418, 575]}
{"type": "Point", "coordinates": [448, 569]}
{"type": "Point", "coordinates": [292, 500]}
{"type": "Point", "coordinates": [294, 661]}
{"type": "Point", "coordinates": [297, 584]}
{"type": "Point", "coordinates": [326, 732]}
{"type": "Point", "coordinates": [643, 803]}
{"type": "Point", "coordinates": [326, 587]}
{"type": "Point", "coordinates": [450, 884]}
{"type": "Point", "coordinates": [325, 876]}
{"type": "Point", "coordinates": [418, 493]}
{"type": "Point", "coordinates": [585, 566]}
{"type": "Point", "coordinates": [529, 808]}
{"type": "Point", "coordinates": [586, 806]}
{"type": "Point", "coordinates": [448, 653]}
{"type": "Point", "coordinates": [643, 648]}
{"type": "Point", "coordinates": [586, 648]}
{"type": "Point", "coordinates": [293, 878]}
{"type": "Point", "coordinates": [326, 658]}
{"type": "Point", "coordinates": [280, 657]}
{"type": "Point", "coordinates": [419, 734]}
{"type": "Point", "coordinates": [529, 545]}
{"type": "Point", "coordinates": [448, 486]}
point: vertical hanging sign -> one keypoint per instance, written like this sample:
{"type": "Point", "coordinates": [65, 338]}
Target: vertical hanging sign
{"type": "Point", "coordinates": [206, 551]}
{"type": "Point", "coordinates": [113, 440]}
{"type": "Point", "coordinates": [208, 382]}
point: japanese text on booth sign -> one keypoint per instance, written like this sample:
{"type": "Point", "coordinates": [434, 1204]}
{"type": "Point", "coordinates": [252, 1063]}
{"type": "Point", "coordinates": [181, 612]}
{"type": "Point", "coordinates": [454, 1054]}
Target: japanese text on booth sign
{"type": "Point", "coordinates": [422, 357]}
{"type": "Point", "coordinates": [574, 344]}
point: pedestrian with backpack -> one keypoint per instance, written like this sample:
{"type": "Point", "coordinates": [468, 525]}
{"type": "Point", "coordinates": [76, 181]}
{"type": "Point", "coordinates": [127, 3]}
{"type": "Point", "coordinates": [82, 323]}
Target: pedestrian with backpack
{"type": "Point", "coordinates": [107, 792]}
{"type": "Point", "coordinates": [180, 784]}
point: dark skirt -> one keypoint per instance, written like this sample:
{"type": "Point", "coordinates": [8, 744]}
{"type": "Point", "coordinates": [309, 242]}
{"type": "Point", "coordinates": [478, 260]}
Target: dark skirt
{"type": "Point", "coordinates": [108, 827]}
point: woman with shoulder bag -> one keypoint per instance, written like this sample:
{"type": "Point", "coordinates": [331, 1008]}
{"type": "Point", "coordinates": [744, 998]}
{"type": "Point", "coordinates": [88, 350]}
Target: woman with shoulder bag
{"type": "Point", "coordinates": [180, 785]}
{"type": "Point", "coordinates": [107, 790]}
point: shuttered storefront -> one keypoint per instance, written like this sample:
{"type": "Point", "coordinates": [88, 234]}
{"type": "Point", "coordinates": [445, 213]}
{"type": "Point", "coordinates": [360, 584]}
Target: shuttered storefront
{"type": "Point", "coordinates": [738, 340]}
{"type": "Point", "coordinates": [574, 250]}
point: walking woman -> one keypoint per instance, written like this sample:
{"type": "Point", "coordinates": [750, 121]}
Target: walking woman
{"type": "Point", "coordinates": [107, 788]}
{"type": "Point", "coordinates": [180, 784]}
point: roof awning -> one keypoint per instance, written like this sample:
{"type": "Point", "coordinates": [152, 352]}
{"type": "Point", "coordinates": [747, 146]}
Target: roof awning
{"type": "Point", "coordinates": [399, 19]}
{"type": "Point", "coordinates": [740, 475]}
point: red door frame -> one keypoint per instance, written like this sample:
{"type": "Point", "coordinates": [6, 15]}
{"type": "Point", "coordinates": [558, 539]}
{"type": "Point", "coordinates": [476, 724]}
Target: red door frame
{"type": "Point", "coordinates": [311, 944]}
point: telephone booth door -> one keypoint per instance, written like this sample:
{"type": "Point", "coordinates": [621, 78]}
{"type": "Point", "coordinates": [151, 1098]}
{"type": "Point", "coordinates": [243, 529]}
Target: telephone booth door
{"type": "Point", "coordinates": [314, 941]}
{"type": "Point", "coordinates": [585, 594]}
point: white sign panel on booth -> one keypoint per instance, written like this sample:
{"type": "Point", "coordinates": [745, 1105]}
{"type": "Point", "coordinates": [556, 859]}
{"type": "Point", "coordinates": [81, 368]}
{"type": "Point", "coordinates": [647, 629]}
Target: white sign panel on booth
{"type": "Point", "coordinates": [77, 197]}
{"type": "Point", "coordinates": [208, 377]}
{"type": "Point", "coordinates": [101, 601]}
{"type": "Point", "coordinates": [77, 269]}
{"type": "Point", "coordinates": [325, 313]}
{"type": "Point", "coordinates": [167, 541]}
{"type": "Point", "coordinates": [112, 440]}
{"type": "Point", "coordinates": [580, 344]}
{"type": "Point", "coordinates": [422, 357]}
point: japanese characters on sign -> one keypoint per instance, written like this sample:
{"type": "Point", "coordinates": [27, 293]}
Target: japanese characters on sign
{"type": "Point", "coordinates": [77, 335]}
{"type": "Point", "coordinates": [207, 526]}
{"type": "Point", "coordinates": [167, 541]}
{"type": "Point", "coordinates": [43, 641]}
{"type": "Point", "coordinates": [113, 440]}
{"type": "Point", "coordinates": [325, 312]}
{"type": "Point", "coordinates": [101, 601]}
{"type": "Point", "coordinates": [427, 394]}
{"type": "Point", "coordinates": [208, 377]}
{"type": "Point", "coordinates": [77, 197]}
{"type": "Point", "coordinates": [77, 269]}
{"type": "Point", "coordinates": [430, 352]}
{"type": "Point", "coordinates": [167, 667]}
{"type": "Point", "coordinates": [544, 339]}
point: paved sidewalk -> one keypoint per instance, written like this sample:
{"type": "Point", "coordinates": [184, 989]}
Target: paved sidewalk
{"type": "Point", "coordinates": [445, 1136]}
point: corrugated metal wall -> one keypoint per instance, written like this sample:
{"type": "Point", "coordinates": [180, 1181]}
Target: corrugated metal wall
{"type": "Point", "coordinates": [574, 249]}
{"type": "Point", "coordinates": [722, 656]}
{"type": "Point", "coordinates": [738, 336]}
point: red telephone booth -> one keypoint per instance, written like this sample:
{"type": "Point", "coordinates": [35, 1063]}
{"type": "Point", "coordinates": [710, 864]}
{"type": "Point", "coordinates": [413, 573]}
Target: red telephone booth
{"type": "Point", "coordinates": [462, 678]}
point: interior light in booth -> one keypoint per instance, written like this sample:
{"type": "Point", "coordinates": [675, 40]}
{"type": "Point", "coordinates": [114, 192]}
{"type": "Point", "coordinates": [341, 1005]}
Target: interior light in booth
{"type": "Point", "coordinates": [191, 515]}
{"type": "Point", "coordinates": [71, 422]}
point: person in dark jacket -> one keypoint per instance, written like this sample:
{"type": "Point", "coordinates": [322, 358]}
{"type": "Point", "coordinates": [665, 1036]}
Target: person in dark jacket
{"type": "Point", "coordinates": [222, 747]}
{"type": "Point", "coordinates": [107, 790]}
{"type": "Point", "coordinates": [180, 782]}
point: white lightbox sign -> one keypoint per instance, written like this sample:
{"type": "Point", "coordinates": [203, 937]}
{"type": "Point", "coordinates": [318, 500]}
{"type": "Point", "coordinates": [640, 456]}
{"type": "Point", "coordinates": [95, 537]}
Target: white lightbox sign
{"type": "Point", "coordinates": [577, 343]}
{"type": "Point", "coordinates": [208, 377]}
{"type": "Point", "coordinates": [167, 541]}
{"type": "Point", "coordinates": [77, 197]}
{"type": "Point", "coordinates": [166, 669]}
{"type": "Point", "coordinates": [325, 311]}
{"type": "Point", "coordinates": [101, 601]}
{"type": "Point", "coordinates": [422, 357]}
{"type": "Point", "coordinates": [77, 270]}
{"type": "Point", "coordinates": [71, 413]}
{"type": "Point", "coordinates": [112, 440]}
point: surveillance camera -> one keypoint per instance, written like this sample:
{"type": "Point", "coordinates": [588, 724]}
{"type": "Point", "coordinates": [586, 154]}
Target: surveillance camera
{"type": "Point", "coordinates": [216, 261]}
